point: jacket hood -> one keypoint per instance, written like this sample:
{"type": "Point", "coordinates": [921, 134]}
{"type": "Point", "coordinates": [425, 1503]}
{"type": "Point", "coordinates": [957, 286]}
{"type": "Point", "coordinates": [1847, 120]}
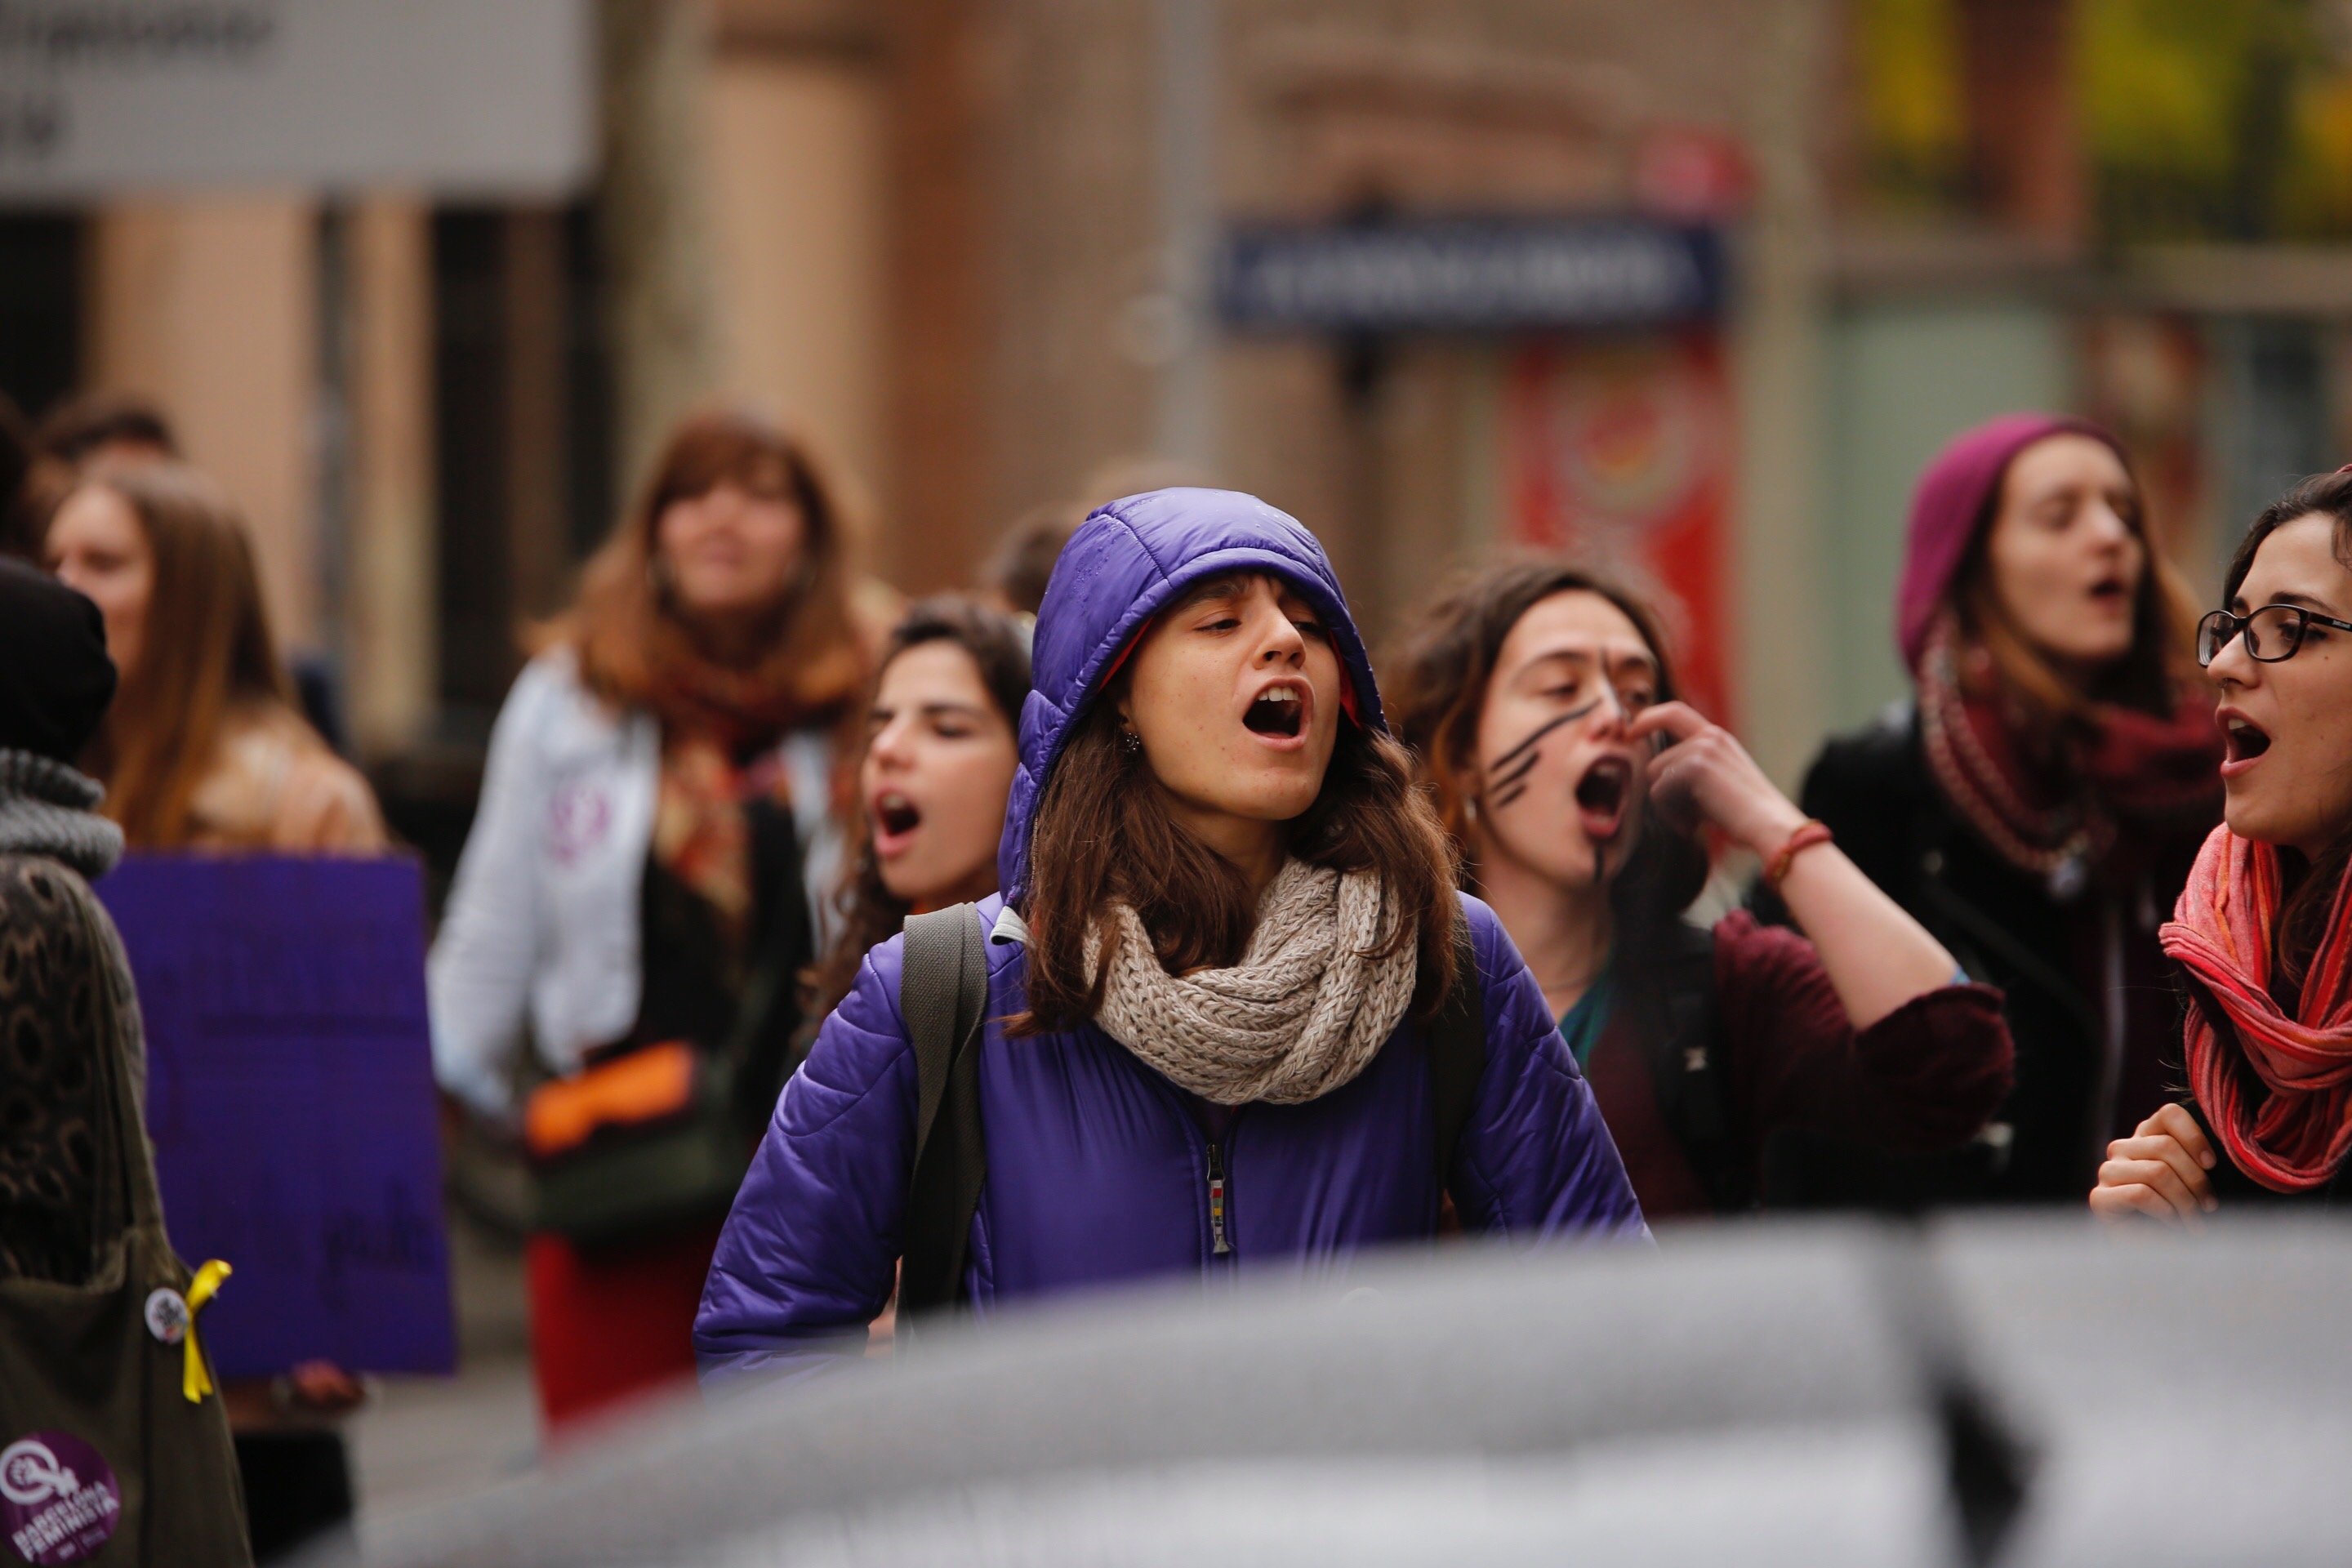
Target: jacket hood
{"type": "Point", "coordinates": [1125, 562]}
{"type": "Point", "coordinates": [1952, 504]}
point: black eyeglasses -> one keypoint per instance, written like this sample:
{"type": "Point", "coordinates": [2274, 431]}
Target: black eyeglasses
{"type": "Point", "coordinates": [2272, 633]}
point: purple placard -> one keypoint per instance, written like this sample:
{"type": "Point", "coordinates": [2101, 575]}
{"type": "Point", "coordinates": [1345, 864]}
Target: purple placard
{"type": "Point", "coordinates": [289, 1095]}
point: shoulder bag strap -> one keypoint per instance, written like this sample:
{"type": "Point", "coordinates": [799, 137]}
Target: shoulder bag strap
{"type": "Point", "coordinates": [942, 994]}
{"type": "Point", "coordinates": [1457, 1059]}
{"type": "Point", "coordinates": [1686, 1068]}
{"type": "Point", "coordinates": [773, 974]}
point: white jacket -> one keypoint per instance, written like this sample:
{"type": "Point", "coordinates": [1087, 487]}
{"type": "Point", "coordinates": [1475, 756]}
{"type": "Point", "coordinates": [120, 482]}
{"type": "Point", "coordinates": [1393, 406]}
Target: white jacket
{"type": "Point", "coordinates": [542, 923]}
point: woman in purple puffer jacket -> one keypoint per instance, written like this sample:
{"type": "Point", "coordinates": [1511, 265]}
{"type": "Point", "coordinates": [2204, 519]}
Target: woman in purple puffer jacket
{"type": "Point", "coordinates": [1227, 919]}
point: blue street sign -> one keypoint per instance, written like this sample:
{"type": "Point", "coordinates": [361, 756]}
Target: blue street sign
{"type": "Point", "coordinates": [1470, 275]}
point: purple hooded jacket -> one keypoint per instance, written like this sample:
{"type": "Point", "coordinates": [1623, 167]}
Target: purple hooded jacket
{"type": "Point", "coordinates": [1098, 1170]}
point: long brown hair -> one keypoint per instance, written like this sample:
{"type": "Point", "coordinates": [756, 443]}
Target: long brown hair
{"type": "Point", "coordinates": [207, 651]}
{"type": "Point", "coordinates": [2153, 676]}
{"type": "Point", "coordinates": [2301, 921]}
{"type": "Point", "coordinates": [635, 650]}
{"type": "Point", "coordinates": [1439, 690]}
{"type": "Point", "coordinates": [1102, 834]}
{"type": "Point", "coordinates": [869, 911]}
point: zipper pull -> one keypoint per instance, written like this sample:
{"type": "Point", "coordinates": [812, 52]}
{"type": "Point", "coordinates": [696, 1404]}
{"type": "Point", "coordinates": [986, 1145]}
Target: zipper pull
{"type": "Point", "coordinates": [1219, 1246]}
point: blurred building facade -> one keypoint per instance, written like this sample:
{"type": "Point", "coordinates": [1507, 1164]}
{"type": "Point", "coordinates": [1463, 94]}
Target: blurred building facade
{"type": "Point", "coordinates": [975, 251]}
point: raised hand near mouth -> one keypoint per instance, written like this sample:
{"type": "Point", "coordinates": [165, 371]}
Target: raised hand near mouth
{"type": "Point", "coordinates": [1877, 957]}
{"type": "Point", "coordinates": [1703, 775]}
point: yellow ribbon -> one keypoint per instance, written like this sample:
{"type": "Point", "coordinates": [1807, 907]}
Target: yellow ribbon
{"type": "Point", "coordinates": [197, 1381]}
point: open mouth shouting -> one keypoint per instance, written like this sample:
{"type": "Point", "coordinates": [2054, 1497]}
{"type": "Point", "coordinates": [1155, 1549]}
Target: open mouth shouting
{"type": "Point", "coordinates": [1603, 795]}
{"type": "Point", "coordinates": [1278, 713]}
{"type": "Point", "coordinates": [2243, 743]}
{"type": "Point", "coordinates": [2112, 590]}
{"type": "Point", "coordinates": [895, 819]}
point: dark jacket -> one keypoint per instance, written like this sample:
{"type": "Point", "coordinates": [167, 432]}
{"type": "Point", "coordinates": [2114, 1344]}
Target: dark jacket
{"type": "Point", "coordinates": [1099, 1171]}
{"type": "Point", "coordinates": [66, 1000]}
{"type": "Point", "coordinates": [2051, 957]}
{"type": "Point", "coordinates": [1922, 1079]}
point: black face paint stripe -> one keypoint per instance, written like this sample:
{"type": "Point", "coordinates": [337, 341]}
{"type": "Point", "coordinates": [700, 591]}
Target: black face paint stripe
{"type": "Point", "coordinates": [1570, 717]}
{"type": "Point", "coordinates": [1509, 795]}
{"type": "Point", "coordinates": [1518, 771]}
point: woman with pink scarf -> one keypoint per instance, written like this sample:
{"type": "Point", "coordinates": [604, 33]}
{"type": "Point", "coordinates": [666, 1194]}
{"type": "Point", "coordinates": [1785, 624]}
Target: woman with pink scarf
{"type": "Point", "coordinates": [2263, 934]}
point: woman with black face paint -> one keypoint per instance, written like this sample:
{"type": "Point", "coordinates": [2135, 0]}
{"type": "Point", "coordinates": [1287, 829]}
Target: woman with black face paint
{"type": "Point", "coordinates": [1541, 703]}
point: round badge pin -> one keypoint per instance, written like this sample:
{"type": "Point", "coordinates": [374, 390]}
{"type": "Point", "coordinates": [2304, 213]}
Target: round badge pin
{"type": "Point", "coordinates": [167, 1315]}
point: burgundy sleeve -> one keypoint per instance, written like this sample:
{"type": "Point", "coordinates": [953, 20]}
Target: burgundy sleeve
{"type": "Point", "coordinates": [1925, 1077]}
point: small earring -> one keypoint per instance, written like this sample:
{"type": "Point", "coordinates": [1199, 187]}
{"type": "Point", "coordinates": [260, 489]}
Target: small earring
{"type": "Point", "coordinates": [1132, 741]}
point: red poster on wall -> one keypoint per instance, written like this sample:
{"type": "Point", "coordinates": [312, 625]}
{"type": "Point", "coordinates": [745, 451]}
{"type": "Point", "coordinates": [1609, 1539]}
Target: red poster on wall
{"type": "Point", "coordinates": [1618, 452]}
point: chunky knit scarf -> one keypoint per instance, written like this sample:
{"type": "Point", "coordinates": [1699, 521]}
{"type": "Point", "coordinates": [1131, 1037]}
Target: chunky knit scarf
{"type": "Point", "coordinates": [2278, 1091]}
{"type": "Point", "coordinates": [46, 808]}
{"type": "Point", "coordinates": [1302, 1013]}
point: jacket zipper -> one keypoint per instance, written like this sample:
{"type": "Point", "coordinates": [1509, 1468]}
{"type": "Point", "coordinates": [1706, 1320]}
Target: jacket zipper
{"type": "Point", "coordinates": [1218, 1246]}
{"type": "Point", "coordinates": [1218, 1185]}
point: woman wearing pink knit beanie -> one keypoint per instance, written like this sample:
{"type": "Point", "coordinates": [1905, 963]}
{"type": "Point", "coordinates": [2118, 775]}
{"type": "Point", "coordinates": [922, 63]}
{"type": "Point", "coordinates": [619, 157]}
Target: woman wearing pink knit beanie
{"type": "Point", "coordinates": [2039, 803]}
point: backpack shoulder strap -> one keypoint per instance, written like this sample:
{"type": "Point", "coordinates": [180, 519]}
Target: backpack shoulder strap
{"type": "Point", "coordinates": [1680, 1040]}
{"type": "Point", "coordinates": [942, 993]}
{"type": "Point", "coordinates": [1457, 1051]}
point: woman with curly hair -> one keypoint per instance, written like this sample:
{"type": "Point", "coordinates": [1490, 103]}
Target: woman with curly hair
{"type": "Point", "coordinates": [1542, 704]}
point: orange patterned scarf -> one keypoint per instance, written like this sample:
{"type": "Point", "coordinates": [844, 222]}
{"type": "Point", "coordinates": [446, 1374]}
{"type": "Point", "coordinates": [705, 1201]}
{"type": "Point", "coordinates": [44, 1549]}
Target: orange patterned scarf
{"type": "Point", "coordinates": [711, 715]}
{"type": "Point", "coordinates": [2278, 1089]}
{"type": "Point", "coordinates": [702, 830]}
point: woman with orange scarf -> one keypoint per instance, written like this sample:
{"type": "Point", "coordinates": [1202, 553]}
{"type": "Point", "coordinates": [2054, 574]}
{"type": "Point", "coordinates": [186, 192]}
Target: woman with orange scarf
{"type": "Point", "coordinates": [639, 893]}
{"type": "Point", "coordinates": [2263, 934]}
{"type": "Point", "coordinates": [2036, 808]}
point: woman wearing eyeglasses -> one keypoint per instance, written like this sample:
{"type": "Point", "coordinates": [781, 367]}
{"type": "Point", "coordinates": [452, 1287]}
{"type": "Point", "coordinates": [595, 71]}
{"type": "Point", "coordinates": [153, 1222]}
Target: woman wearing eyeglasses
{"type": "Point", "coordinates": [2038, 806]}
{"type": "Point", "coordinates": [2263, 936]}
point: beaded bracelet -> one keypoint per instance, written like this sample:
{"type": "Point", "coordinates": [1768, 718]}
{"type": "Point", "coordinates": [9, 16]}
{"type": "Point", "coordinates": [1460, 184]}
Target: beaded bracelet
{"type": "Point", "coordinates": [1811, 832]}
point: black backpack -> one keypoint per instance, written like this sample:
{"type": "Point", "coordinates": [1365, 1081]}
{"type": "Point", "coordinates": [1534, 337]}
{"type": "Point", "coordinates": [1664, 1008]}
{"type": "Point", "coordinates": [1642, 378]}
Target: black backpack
{"type": "Point", "coordinates": [942, 994]}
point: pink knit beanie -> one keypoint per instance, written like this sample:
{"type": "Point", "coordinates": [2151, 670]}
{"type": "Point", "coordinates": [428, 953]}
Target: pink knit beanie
{"type": "Point", "coordinates": [1954, 501]}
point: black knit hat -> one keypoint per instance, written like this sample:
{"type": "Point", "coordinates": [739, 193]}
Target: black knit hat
{"type": "Point", "coordinates": [55, 677]}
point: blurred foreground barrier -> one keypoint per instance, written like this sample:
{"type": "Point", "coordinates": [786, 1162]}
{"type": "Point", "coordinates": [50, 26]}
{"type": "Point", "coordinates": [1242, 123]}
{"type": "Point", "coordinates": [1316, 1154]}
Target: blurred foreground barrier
{"type": "Point", "coordinates": [2015, 1392]}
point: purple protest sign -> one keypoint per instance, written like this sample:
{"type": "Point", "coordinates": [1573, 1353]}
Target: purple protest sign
{"type": "Point", "coordinates": [290, 1096]}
